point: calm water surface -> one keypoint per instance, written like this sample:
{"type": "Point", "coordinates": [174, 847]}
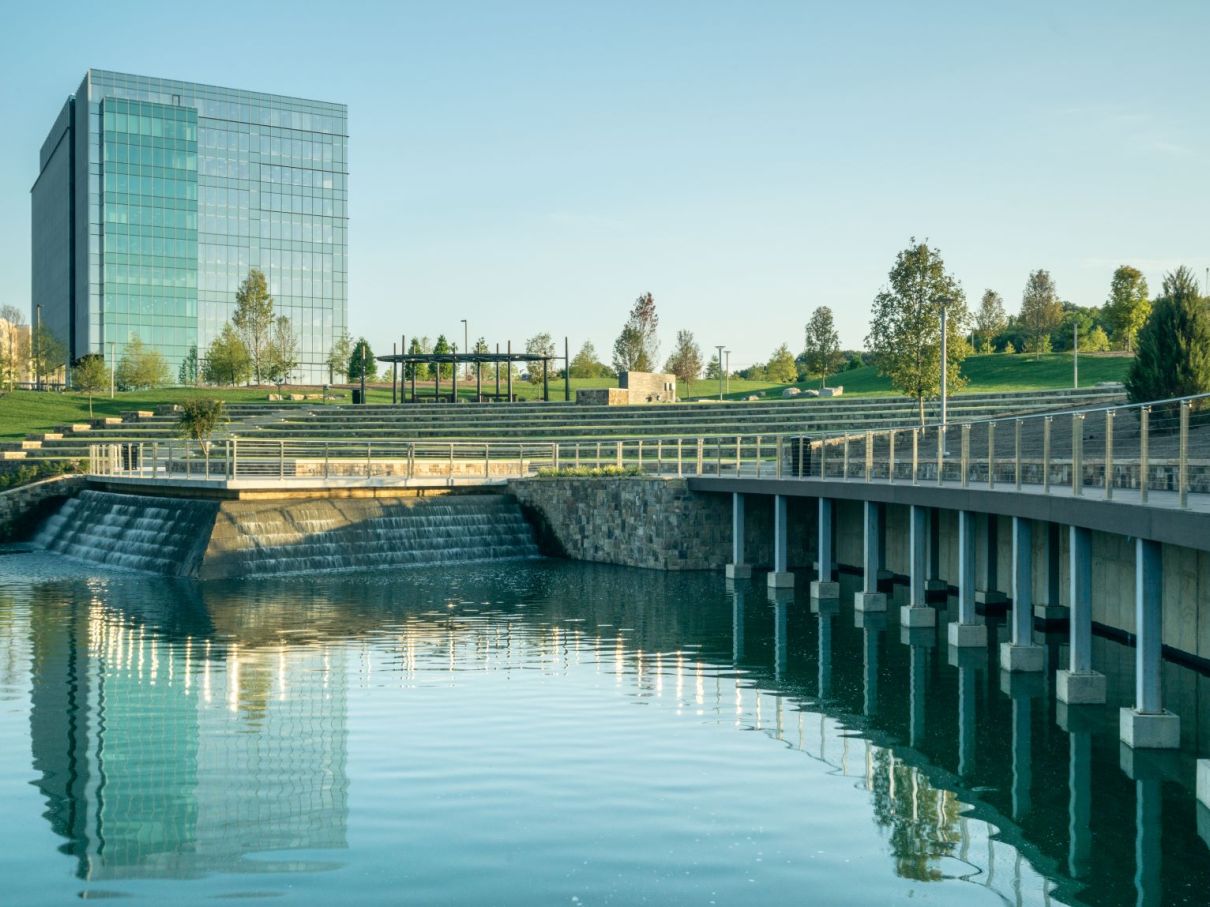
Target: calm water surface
{"type": "Point", "coordinates": [549, 732]}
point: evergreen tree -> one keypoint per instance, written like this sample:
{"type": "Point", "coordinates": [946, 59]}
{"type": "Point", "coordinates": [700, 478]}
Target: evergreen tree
{"type": "Point", "coordinates": [446, 369]}
{"type": "Point", "coordinates": [188, 372]}
{"type": "Point", "coordinates": [253, 319]}
{"type": "Point", "coordinates": [1128, 305]}
{"type": "Point", "coordinates": [419, 370]}
{"type": "Point", "coordinates": [905, 327]}
{"type": "Point", "coordinates": [585, 363]}
{"type": "Point", "coordinates": [1173, 358]}
{"type": "Point", "coordinates": [362, 360]}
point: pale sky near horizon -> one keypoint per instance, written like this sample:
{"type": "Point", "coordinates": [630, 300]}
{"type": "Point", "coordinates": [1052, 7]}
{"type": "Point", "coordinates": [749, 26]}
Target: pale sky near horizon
{"type": "Point", "coordinates": [535, 166]}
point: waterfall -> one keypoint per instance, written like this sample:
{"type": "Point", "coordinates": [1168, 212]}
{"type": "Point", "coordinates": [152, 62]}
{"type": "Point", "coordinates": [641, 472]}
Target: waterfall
{"type": "Point", "coordinates": [323, 536]}
{"type": "Point", "coordinates": [137, 532]}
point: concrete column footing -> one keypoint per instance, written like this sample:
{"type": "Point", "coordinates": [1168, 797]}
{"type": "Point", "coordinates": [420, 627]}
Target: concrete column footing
{"type": "Point", "coordinates": [825, 590]}
{"type": "Point", "coordinates": [1080, 688]}
{"type": "Point", "coordinates": [918, 616]}
{"type": "Point", "coordinates": [967, 635]}
{"type": "Point", "coordinates": [935, 585]}
{"type": "Point", "coordinates": [1203, 781]}
{"type": "Point", "coordinates": [1150, 730]}
{"type": "Point", "coordinates": [1022, 658]}
{"type": "Point", "coordinates": [989, 597]}
{"type": "Point", "coordinates": [870, 601]}
{"type": "Point", "coordinates": [777, 580]}
{"type": "Point", "coordinates": [739, 571]}
{"type": "Point", "coordinates": [1051, 614]}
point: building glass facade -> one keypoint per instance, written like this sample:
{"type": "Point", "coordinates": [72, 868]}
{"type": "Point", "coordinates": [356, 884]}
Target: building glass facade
{"type": "Point", "coordinates": [175, 191]}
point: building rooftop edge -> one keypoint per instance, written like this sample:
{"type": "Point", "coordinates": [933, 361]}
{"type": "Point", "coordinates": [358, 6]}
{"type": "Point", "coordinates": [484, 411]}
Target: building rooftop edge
{"type": "Point", "coordinates": [263, 94]}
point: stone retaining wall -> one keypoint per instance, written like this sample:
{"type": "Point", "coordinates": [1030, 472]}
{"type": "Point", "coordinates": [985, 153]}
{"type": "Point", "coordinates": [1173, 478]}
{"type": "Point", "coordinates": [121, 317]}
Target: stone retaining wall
{"type": "Point", "coordinates": [21, 507]}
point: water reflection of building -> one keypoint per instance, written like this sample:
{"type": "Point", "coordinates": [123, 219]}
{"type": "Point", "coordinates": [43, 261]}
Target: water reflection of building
{"type": "Point", "coordinates": [177, 756]}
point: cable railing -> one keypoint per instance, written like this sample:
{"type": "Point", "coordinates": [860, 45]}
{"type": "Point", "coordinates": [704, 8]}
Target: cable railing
{"type": "Point", "coordinates": [1127, 452]}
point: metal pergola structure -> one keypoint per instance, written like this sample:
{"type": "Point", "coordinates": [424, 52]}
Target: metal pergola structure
{"type": "Point", "coordinates": [400, 361]}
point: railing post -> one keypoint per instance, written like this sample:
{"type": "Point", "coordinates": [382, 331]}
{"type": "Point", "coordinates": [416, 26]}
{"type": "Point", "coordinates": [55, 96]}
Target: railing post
{"type": "Point", "coordinates": [869, 455]}
{"type": "Point", "coordinates": [450, 465]}
{"type": "Point", "coordinates": [640, 454]}
{"type": "Point", "coordinates": [370, 462]}
{"type": "Point", "coordinates": [718, 456]}
{"type": "Point", "coordinates": [1109, 416]}
{"type": "Point", "coordinates": [679, 471]}
{"type": "Point", "coordinates": [521, 460]}
{"type": "Point", "coordinates": [802, 448]}
{"type": "Point", "coordinates": [940, 454]}
{"type": "Point", "coordinates": [915, 456]}
{"type": "Point", "coordinates": [778, 456]}
{"type": "Point", "coordinates": [487, 459]}
{"type": "Point", "coordinates": [411, 460]}
{"type": "Point", "coordinates": [845, 459]}
{"type": "Point", "coordinates": [966, 453]}
{"type": "Point", "coordinates": [618, 459]}
{"type": "Point", "coordinates": [1017, 453]}
{"type": "Point", "coordinates": [758, 469]}
{"type": "Point", "coordinates": [597, 462]}
{"type": "Point", "coordinates": [577, 455]}
{"type": "Point", "coordinates": [554, 448]}
{"type": "Point", "coordinates": [1144, 451]}
{"type": "Point", "coordinates": [659, 456]}
{"type": "Point", "coordinates": [701, 454]}
{"type": "Point", "coordinates": [991, 455]}
{"type": "Point", "coordinates": [1077, 454]}
{"type": "Point", "coordinates": [327, 461]}
{"type": "Point", "coordinates": [1046, 423]}
{"type": "Point", "coordinates": [738, 453]}
{"type": "Point", "coordinates": [823, 458]}
{"type": "Point", "coordinates": [1182, 474]}
{"type": "Point", "coordinates": [281, 459]}
{"type": "Point", "coordinates": [890, 469]}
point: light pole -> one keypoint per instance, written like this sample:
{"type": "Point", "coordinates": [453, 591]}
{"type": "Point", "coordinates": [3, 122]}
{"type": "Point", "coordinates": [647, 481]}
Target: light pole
{"type": "Point", "coordinates": [112, 368]}
{"type": "Point", "coordinates": [1075, 356]}
{"type": "Point", "coordinates": [37, 346]}
{"type": "Point", "coordinates": [944, 364]}
{"type": "Point", "coordinates": [466, 348]}
{"type": "Point", "coordinates": [727, 371]}
{"type": "Point", "coordinates": [720, 371]}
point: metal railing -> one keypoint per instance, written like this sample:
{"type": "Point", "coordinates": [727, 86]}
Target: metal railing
{"type": "Point", "coordinates": [1146, 450]}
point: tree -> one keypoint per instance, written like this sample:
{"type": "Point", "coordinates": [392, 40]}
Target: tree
{"type": "Point", "coordinates": [686, 360]}
{"type": "Point", "coordinates": [781, 369]}
{"type": "Point", "coordinates": [905, 326]}
{"type": "Point", "coordinates": [1173, 358]}
{"type": "Point", "coordinates": [198, 420]}
{"type": "Point", "coordinates": [822, 349]}
{"type": "Point", "coordinates": [538, 345]}
{"type": "Point", "coordinates": [141, 367]}
{"type": "Point", "coordinates": [14, 346]}
{"type": "Point", "coordinates": [637, 348]}
{"type": "Point", "coordinates": [281, 356]}
{"type": "Point", "coordinates": [89, 375]}
{"type": "Point", "coordinates": [188, 372]}
{"type": "Point", "coordinates": [1097, 341]}
{"type": "Point", "coordinates": [362, 360]}
{"type": "Point", "coordinates": [714, 368]}
{"type": "Point", "coordinates": [1128, 305]}
{"type": "Point", "coordinates": [227, 359]}
{"type": "Point", "coordinates": [990, 320]}
{"type": "Point", "coordinates": [442, 346]}
{"type": "Point", "coordinates": [417, 370]}
{"type": "Point", "coordinates": [253, 319]}
{"type": "Point", "coordinates": [585, 363]}
{"type": "Point", "coordinates": [1041, 311]}
{"type": "Point", "coordinates": [46, 352]}
{"type": "Point", "coordinates": [338, 356]}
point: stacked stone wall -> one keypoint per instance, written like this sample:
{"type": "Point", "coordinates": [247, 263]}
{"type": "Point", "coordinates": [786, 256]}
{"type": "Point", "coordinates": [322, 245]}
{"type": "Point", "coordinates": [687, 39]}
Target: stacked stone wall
{"type": "Point", "coordinates": [21, 508]}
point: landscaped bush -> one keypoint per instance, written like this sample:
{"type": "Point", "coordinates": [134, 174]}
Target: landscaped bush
{"type": "Point", "coordinates": [588, 472]}
{"type": "Point", "coordinates": [27, 474]}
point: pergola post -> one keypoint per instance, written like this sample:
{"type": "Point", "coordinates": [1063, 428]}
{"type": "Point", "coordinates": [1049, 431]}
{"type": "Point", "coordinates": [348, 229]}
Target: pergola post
{"type": "Point", "coordinates": [510, 368]}
{"type": "Point", "coordinates": [545, 381]}
{"type": "Point", "coordinates": [510, 371]}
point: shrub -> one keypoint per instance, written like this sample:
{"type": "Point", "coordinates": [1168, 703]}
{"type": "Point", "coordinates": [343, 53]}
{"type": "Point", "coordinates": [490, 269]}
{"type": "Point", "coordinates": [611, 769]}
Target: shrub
{"type": "Point", "coordinates": [588, 472]}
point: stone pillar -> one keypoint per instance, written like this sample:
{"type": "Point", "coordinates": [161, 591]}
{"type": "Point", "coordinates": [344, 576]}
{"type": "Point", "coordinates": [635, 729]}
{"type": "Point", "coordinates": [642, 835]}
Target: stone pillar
{"type": "Point", "coordinates": [825, 587]}
{"type": "Point", "coordinates": [987, 591]}
{"type": "Point", "coordinates": [1021, 654]}
{"type": "Point", "coordinates": [1049, 610]}
{"type": "Point", "coordinates": [1148, 725]}
{"type": "Point", "coordinates": [781, 577]}
{"type": "Point", "coordinates": [1080, 683]}
{"type": "Point", "coordinates": [738, 568]}
{"type": "Point", "coordinates": [869, 598]}
{"type": "Point", "coordinates": [968, 630]}
{"type": "Point", "coordinates": [917, 613]}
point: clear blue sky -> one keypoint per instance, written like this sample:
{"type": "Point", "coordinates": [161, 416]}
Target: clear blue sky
{"type": "Point", "coordinates": [535, 166]}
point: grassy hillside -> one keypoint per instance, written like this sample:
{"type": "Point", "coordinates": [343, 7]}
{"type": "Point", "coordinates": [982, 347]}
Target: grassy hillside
{"type": "Point", "coordinates": [26, 412]}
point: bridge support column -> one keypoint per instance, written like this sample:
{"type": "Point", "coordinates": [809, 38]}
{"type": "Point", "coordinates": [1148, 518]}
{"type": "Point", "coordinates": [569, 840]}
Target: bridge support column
{"type": "Point", "coordinates": [1049, 610]}
{"type": "Point", "coordinates": [967, 630]}
{"type": "Point", "coordinates": [1148, 725]}
{"type": "Point", "coordinates": [781, 577]}
{"type": "Point", "coordinates": [917, 613]}
{"type": "Point", "coordinates": [1021, 654]}
{"type": "Point", "coordinates": [935, 582]}
{"type": "Point", "coordinates": [737, 569]}
{"type": "Point", "coordinates": [869, 598]}
{"type": "Point", "coordinates": [825, 588]}
{"type": "Point", "coordinates": [987, 591]}
{"type": "Point", "coordinates": [1080, 683]}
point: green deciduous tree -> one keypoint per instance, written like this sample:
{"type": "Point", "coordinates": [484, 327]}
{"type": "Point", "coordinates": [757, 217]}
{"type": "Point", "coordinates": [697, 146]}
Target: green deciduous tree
{"type": "Point", "coordinates": [1041, 311]}
{"type": "Point", "coordinates": [48, 355]}
{"type": "Point", "coordinates": [253, 319]}
{"type": "Point", "coordinates": [90, 375]}
{"type": "Point", "coordinates": [686, 360]}
{"type": "Point", "coordinates": [227, 359]}
{"type": "Point", "coordinates": [198, 420]}
{"type": "Point", "coordinates": [637, 348]}
{"type": "Point", "coordinates": [338, 356]}
{"type": "Point", "coordinates": [362, 360]}
{"type": "Point", "coordinates": [905, 325]}
{"type": "Point", "coordinates": [1173, 358]}
{"type": "Point", "coordinates": [585, 363]}
{"type": "Point", "coordinates": [781, 368]}
{"type": "Point", "coordinates": [990, 320]}
{"type": "Point", "coordinates": [821, 351]}
{"type": "Point", "coordinates": [14, 346]}
{"type": "Point", "coordinates": [281, 356]}
{"type": "Point", "coordinates": [1128, 306]}
{"type": "Point", "coordinates": [141, 367]}
{"type": "Point", "coordinates": [538, 345]}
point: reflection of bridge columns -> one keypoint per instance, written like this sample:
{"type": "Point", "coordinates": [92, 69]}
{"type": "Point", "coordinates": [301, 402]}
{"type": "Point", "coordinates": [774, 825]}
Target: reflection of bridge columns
{"type": "Point", "coordinates": [1021, 654]}
{"type": "Point", "coordinates": [1203, 799]}
{"type": "Point", "coordinates": [917, 613]}
{"type": "Point", "coordinates": [1080, 683]}
{"type": "Point", "coordinates": [967, 630]}
{"type": "Point", "coordinates": [738, 568]}
{"type": "Point", "coordinates": [825, 586]}
{"type": "Point", "coordinates": [872, 623]}
{"type": "Point", "coordinates": [780, 599]}
{"type": "Point", "coordinates": [967, 698]}
{"type": "Point", "coordinates": [1148, 724]}
{"type": "Point", "coordinates": [1148, 771]}
{"type": "Point", "coordinates": [737, 622]}
{"type": "Point", "coordinates": [1078, 722]}
{"type": "Point", "coordinates": [869, 598]}
{"type": "Point", "coordinates": [1022, 689]}
{"type": "Point", "coordinates": [781, 577]}
{"type": "Point", "coordinates": [920, 639]}
{"type": "Point", "coordinates": [826, 610]}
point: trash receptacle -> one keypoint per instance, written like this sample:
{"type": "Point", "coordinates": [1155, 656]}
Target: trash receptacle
{"type": "Point", "coordinates": [357, 398]}
{"type": "Point", "coordinates": [801, 458]}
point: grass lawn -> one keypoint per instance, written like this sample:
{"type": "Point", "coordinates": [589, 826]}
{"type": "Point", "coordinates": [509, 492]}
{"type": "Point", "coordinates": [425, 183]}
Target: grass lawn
{"type": "Point", "coordinates": [27, 412]}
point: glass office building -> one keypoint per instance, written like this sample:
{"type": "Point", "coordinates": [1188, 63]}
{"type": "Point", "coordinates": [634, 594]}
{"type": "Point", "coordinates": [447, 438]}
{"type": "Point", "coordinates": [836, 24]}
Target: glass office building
{"type": "Point", "coordinates": [155, 198]}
